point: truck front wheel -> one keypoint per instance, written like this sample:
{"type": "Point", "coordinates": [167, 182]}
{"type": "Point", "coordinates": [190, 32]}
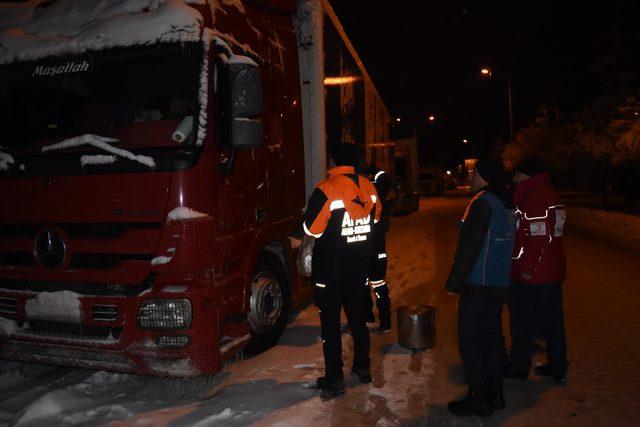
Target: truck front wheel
{"type": "Point", "coordinates": [269, 304]}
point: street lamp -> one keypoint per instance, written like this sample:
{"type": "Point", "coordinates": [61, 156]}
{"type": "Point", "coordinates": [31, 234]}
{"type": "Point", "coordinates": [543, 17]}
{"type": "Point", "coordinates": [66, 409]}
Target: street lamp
{"type": "Point", "coordinates": [488, 72]}
{"type": "Point", "coordinates": [432, 118]}
{"type": "Point", "coordinates": [465, 141]}
{"type": "Point", "coordinates": [398, 119]}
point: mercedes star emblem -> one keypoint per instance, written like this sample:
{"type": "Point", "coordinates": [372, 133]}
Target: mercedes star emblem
{"type": "Point", "coordinates": [50, 249]}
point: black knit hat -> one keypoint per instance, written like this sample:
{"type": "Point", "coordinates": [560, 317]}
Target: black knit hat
{"type": "Point", "coordinates": [491, 171]}
{"type": "Point", "coordinates": [530, 166]}
{"type": "Point", "coordinates": [344, 154]}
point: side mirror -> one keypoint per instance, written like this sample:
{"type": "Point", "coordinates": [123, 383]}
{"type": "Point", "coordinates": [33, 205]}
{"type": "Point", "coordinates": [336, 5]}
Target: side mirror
{"type": "Point", "coordinates": [245, 102]}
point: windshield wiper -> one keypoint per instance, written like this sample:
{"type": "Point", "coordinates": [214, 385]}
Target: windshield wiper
{"type": "Point", "coordinates": [102, 143]}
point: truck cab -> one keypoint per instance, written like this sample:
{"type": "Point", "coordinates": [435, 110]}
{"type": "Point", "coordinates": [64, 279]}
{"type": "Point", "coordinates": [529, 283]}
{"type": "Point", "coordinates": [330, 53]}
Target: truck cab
{"type": "Point", "coordinates": [149, 186]}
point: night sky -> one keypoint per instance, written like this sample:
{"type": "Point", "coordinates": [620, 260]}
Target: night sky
{"type": "Point", "coordinates": [425, 57]}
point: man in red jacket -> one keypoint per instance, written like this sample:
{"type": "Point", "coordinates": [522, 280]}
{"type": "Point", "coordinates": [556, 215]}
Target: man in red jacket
{"type": "Point", "coordinates": [537, 272]}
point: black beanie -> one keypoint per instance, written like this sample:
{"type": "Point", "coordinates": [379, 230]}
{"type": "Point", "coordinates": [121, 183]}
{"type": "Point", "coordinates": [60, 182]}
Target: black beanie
{"type": "Point", "coordinates": [491, 171]}
{"type": "Point", "coordinates": [344, 154]}
{"type": "Point", "coordinates": [530, 166]}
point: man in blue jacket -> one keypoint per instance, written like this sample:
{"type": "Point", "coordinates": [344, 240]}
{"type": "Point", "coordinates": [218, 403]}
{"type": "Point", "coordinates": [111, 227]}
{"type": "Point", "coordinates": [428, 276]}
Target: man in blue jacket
{"type": "Point", "coordinates": [480, 275]}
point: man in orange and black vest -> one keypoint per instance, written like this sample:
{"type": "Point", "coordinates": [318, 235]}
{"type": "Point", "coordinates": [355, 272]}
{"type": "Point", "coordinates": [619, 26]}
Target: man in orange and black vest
{"type": "Point", "coordinates": [340, 216]}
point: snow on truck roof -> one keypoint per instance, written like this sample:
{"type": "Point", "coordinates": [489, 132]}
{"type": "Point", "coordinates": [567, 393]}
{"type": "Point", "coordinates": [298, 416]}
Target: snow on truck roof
{"type": "Point", "coordinates": [39, 28]}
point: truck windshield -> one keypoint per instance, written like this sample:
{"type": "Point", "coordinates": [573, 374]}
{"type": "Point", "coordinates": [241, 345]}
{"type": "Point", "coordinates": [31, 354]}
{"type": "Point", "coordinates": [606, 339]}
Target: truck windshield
{"type": "Point", "coordinates": [136, 95]}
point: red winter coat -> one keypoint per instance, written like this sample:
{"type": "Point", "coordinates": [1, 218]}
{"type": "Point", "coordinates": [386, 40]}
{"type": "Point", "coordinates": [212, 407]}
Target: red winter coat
{"type": "Point", "coordinates": [538, 249]}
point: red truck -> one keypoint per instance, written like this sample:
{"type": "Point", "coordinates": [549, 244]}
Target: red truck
{"type": "Point", "coordinates": [155, 160]}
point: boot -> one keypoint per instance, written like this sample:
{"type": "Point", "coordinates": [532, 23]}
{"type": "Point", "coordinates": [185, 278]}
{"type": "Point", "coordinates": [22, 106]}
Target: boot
{"type": "Point", "coordinates": [330, 387]}
{"type": "Point", "coordinates": [510, 372]}
{"type": "Point", "coordinates": [385, 324]}
{"type": "Point", "coordinates": [363, 374]}
{"type": "Point", "coordinates": [476, 403]}
{"type": "Point", "coordinates": [547, 371]}
{"type": "Point", "coordinates": [497, 395]}
{"type": "Point", "coordinates": [383, 329]}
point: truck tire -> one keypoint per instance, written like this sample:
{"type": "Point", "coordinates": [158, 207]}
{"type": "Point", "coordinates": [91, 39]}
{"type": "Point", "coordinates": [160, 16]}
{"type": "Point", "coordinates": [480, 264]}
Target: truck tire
{"type": "Point", "coordinates": [268, 304]}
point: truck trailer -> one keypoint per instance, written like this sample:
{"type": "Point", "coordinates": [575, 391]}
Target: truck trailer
{"type": "Point", "coordinates": [155, 158]}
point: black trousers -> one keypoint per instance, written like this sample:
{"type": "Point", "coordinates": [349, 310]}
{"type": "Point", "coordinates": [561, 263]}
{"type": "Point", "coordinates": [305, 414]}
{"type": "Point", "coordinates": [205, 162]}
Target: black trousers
{"type": "Point", "coordinates": [330, 299]}
{"type": "Point", "coordinates": [377, 276]}
{"type": "Point", "coordinates": [531, 305]}
{"type": "Point", "coordinates": [480, 337]}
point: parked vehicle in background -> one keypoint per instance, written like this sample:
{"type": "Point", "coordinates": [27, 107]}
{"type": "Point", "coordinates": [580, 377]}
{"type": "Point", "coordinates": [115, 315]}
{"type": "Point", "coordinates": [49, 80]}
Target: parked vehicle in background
{"type": "Point", "coordinates": [450, 181]}
{"type": "Point", "coordinates": [430, 180]}
{"type": "Point", "coordinates": [406, 176]}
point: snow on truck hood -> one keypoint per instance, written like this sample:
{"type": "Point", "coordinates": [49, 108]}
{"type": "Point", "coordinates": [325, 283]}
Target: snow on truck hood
{"type": "Point", "coordinates": [39, 28]}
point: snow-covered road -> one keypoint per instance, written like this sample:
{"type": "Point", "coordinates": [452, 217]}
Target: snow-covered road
{"type": "Point", "coordinates": [274, 388]}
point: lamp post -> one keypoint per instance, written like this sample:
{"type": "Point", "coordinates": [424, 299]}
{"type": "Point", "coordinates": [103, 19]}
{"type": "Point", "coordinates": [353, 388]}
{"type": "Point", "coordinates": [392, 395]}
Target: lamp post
{"type": "Point", "coordinates": [487, 73]}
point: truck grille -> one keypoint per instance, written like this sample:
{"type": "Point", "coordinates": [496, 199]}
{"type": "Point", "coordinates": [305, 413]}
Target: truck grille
{"type": "Point", "coordinates": [8, 306]}
{"type": "Point", "coordinates": [78, 261]}
{"type": "Point", "coordinates": [72, 331]}
{"type": "Point", "coordinates": [26, 234]}
{"type": "Point", "coordinates": [64, 355]}
{"type": "Point", "coordinates": [17, 259]}
{"type": "Point", "coordinates": [104, 313]}
{"type": "Point", "coordinates": [79, 230]}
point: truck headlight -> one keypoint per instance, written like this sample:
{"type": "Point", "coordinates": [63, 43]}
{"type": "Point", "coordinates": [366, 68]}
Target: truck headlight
{"type": "Point", "coordinates": [165, 314]}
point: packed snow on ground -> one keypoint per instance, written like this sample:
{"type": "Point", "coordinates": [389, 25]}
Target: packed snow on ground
{"type": "Point", "coordinates": [275, 388]}
{"type": "Point", "coordinates": [61, 306]}
{"type": "Point", "coordinates": [213, 419]}
{"type": "Point", "coordinates": [39, 28]}
{"type": "Point", "coordinates": [102, 143]}
{"type": "Point", "coordinates": [184, 213]}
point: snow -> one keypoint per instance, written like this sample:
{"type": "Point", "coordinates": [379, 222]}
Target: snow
{"type": "Point", "coordinates": [5, 160]}
{"type": "Point", "coordinates": [99, 159]}
{"type": "Point", "coordinates": [8, 327]}
{"type": "Point", "coordinates": [160, 260]}
{"type": "Point", "coordinates": [102, 143]}
{"type": "Point", "coordinates": [184, 213]}
{"type": "Point", "coordinates": [46, 407]}
{"type": "Point", "coordinates": [619, 227]}
{"type": "Point", "coordinates": [230, 40]}
{"type": "Point", "coordinates": [35, 29]}
{"type": "Point", "coordinates": [180, 368]}
{"type": "Point", "coordinates": [174, 289]}
{"type": "Point", "coordinates": [79, 403]}
{"type": "Point", "coordinates": [203, 93]}
{"type": "Point", "coordinates": [60, 306]}
{"type": "Point", "coordinates": [228, 346]}
{"type": "Point", "coordinates": [241, 59]}
{"type": "Point", "coordinates": [275, 388]}
{"type": "Point", "coordinates": [214, 419]}
{"type": "Point", "coordinates": [305, 366]}
{"type": "Point", "coordinates": [219, 5]}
